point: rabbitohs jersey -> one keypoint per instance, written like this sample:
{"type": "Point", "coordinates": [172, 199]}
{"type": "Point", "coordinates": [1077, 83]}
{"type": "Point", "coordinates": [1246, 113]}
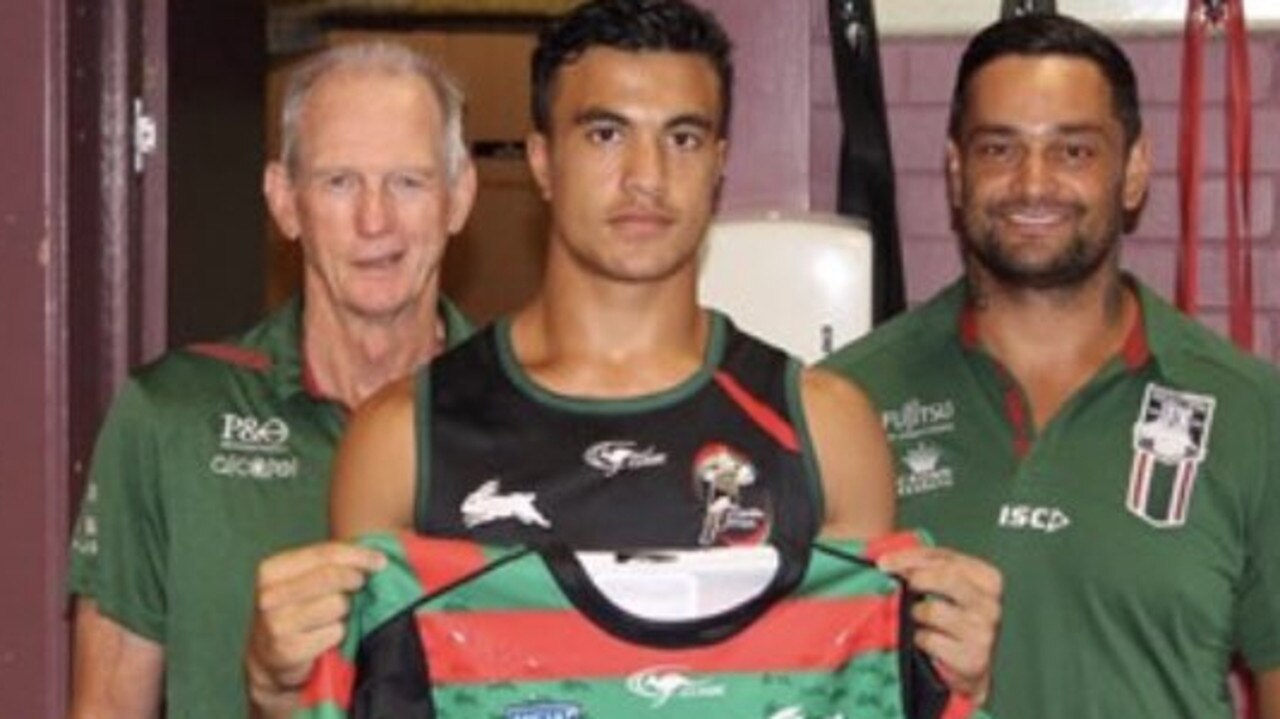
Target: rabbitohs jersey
{"type": "Point", "coordinates": [456, 629]}
{"type": "Point", "coordinates": [723, 458]}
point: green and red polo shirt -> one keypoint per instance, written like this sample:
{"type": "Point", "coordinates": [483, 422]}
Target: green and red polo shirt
{"type": "Point", "coordinates": [210, 459]}
{"type": "Point", "coordinates": [1137, 530]}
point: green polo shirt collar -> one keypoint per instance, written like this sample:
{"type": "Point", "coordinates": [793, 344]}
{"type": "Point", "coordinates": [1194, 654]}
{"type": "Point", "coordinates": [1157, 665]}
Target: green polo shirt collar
{"type": "Point", "coordinates": [276, 348]}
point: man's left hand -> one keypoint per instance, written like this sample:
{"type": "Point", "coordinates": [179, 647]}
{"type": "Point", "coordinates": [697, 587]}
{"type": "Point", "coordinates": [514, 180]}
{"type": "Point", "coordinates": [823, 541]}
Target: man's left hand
{"type": "Point", "coordinates": [957, 622]}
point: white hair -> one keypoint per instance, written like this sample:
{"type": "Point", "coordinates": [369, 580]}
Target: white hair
{"type": "Point", "coordinates": [375, 56]}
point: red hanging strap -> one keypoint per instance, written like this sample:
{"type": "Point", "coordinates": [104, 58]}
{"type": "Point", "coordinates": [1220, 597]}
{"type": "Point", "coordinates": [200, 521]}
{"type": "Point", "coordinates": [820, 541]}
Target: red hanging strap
{"type": "Point", "coordinates": [1203, 16]}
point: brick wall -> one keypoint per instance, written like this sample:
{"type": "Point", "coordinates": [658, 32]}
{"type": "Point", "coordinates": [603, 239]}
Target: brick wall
{"type": "Point", "coordinates": [918, 74]}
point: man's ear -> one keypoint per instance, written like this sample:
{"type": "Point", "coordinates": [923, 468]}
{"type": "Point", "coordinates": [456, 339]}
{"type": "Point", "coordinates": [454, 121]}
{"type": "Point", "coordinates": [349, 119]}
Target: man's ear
{"type": "Point", "coordinates": [281, 196]}
{"type": "Point", "coordinates": [538, 154]}
{"type": "Point", "coordinates": [462, 196]}
{"type": "Point", "coordinates": [1137, 173]}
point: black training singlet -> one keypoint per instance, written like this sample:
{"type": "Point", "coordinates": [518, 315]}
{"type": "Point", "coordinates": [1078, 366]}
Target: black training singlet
{"type": "Point", "coordinates": [721, 459]}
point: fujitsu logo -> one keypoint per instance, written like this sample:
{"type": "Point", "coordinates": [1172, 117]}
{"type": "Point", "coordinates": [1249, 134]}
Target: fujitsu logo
{"type": "Point", "coordinates": [917, 419]}
{"type": "Point", "coordinates": [614, 456]}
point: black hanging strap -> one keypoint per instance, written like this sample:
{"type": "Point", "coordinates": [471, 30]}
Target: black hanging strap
{"type": "Point", "coordinates": [866, 188]}
{"type": "Point", "coordinates": [1018, 8]}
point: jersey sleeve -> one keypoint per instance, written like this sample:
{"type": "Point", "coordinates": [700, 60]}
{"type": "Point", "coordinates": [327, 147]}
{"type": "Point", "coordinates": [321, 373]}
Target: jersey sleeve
{"type": "Point", "coordinates": [1258, 623]}
{"type": "Point", "coordinates": [119, 547]}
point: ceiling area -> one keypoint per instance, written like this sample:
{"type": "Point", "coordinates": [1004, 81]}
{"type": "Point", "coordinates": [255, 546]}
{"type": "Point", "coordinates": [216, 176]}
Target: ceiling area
{"type": "Point", "coordinates": [296, 26]}
{"type": "Point", "coordinates": [425, 8]}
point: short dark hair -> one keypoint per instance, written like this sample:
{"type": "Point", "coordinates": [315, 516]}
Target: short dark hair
{"type": "Point", "coordinates": [632, 25]}
{"type": "Point", "coordinates": [1044, 34]}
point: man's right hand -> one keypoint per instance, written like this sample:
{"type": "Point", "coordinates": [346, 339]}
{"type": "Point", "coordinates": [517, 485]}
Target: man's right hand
{"type": "Point", "coordinates": [300, 609]}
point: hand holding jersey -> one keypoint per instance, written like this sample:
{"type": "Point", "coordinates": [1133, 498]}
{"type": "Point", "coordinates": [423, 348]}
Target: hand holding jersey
{"type": "Point", "coordinates": [301, 605]}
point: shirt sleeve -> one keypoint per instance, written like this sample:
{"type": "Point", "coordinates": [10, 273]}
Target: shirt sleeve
{"type": "Point", "coordinates": [1258, 622]}
{"type": "Point", "coordinates": [119, 546]}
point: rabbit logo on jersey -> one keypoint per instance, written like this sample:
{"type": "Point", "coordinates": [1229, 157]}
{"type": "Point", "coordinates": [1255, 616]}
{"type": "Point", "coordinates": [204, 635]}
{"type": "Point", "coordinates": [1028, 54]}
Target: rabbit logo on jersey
{"type": "Point", "coordinates": [253, 448]}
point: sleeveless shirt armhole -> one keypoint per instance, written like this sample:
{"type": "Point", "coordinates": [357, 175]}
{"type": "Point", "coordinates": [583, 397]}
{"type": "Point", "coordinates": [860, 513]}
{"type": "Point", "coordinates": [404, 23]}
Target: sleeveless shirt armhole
{"type": "Point", "coordinates": [422, 446]}
{"type": "Point", "coordinates": [808, 458]}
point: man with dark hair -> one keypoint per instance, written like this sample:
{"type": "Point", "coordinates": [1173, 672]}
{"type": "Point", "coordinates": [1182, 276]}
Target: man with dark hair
{"type": "Point", "coordinates": [1117, 461]}
{"type": "Point", "coordinates": [219, 454]}
{"type": "Point", "coordinates": [595, 415]}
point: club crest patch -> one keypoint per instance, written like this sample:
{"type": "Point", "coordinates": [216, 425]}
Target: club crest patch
{"type": "Point", "coordinates": [1170, 440]}
{"type": "Point", "coordinates": [721, 476]}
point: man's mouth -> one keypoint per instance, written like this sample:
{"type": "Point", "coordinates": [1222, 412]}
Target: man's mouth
{"type": "Point", "coordinates": [1034, 217]}
{"type": "Point", "coordinates": [381, 261]}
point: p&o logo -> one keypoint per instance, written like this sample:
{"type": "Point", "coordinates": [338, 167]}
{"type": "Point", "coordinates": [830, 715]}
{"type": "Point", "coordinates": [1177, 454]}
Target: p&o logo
{"type": "Point", "coordinates": [253, 448]}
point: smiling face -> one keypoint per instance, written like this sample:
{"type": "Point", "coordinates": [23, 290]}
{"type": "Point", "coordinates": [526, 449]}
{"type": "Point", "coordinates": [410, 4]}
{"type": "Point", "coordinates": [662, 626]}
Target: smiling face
{"type": "Point", "coordinates": [1039, 174]}
{"type": "Point", "coordinates": [631, 162]}
{"type": "Point", "coordinates": [369, 196]}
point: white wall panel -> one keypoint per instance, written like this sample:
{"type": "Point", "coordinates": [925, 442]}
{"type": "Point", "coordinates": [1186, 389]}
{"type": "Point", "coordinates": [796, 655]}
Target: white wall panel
{"type": "Point", "coordinates": [944, 17]}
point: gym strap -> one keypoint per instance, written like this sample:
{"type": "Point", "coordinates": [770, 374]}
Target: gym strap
{"type": "Point", "coordinates": [1203, 16]}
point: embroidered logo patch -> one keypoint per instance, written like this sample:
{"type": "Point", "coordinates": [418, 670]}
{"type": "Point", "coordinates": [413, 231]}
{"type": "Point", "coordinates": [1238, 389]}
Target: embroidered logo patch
{"type": "Point", "coordinates": [253, 448]}
{"type": "Point", "coordinates": [1170, 440]}
{"type": "Point", "coordinates": [721, 476]}
{"type": "Point", "coordinates": [487, 504]}
{"type": "Point", "coordinates": [917, 418]}
{"type": "Point", "coordinates": [925, 470]}
{"type": "Point", "coordinates": [614, 456]}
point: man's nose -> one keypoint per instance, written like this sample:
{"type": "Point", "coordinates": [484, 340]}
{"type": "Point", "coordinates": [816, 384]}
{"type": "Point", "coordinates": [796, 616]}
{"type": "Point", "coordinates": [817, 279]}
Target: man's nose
{"type": "Point", "coordinates": [376, 211]}
{"type": "Point", "coordinates": [645, 167]}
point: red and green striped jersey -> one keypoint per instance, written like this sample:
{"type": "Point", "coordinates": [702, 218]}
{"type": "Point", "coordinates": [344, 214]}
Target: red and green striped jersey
{"type": "Point", "coordinates": [453, 628]}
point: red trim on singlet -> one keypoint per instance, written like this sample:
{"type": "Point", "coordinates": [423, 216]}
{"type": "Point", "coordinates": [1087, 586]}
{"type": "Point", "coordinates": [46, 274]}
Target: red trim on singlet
{"type": "Point", "coordinates": [437, 563]}
{"type": "Point", "coordinates": [889, 544]}
{"type": "Point", "coordinates": [239, 356]}
{"type": "Point", "coordinates": [550, 645]}
{"type": "Point", "coordinates": [958, 707]}
{"type": "Point", "coordinates": [759, 412]}
{"type": "Point", "coordinates": [332, 679]}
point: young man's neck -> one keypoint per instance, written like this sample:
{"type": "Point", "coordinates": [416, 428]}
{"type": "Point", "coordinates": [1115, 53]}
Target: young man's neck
{"type": "Point", "coordinates": [585, 337]}
{"type": "Point", "coordinates": [350, 356]}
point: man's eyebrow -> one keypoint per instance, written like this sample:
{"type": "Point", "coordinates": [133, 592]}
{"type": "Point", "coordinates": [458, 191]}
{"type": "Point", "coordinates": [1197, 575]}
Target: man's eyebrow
{"type": "Point", "coordinates": [599, 114]}
{"type": "Point", "coordinates": [1001, 130]}
{"type": "Point", "coordinates": [694, 119]}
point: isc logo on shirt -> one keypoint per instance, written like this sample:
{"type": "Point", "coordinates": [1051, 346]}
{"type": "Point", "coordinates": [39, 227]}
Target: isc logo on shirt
{"type": "Point", "coordinates": [1026, 516]}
